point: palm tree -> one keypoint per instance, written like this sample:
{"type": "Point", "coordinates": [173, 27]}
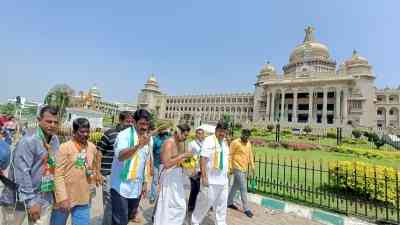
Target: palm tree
{"type": "Point", "coordinates": [59, 96]}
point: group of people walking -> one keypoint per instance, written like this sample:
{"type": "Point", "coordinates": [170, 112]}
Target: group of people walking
{"type": "Point", "coordinates": [49, 182]}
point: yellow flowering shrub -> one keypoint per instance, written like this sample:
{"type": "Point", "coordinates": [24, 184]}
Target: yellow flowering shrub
{"type": "Point", "coordinates": [95, 137]}
{"type": "Point", "coordinates": [365, 179]}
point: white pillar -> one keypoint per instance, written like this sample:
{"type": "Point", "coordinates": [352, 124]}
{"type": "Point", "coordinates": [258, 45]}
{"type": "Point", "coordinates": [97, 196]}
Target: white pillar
{"type": "Point", "coordinates": [345, 106]}
{"type": "Point", "coordinates": [387, 118]}
{"type": "Point", "coordinates": [272, 108]}
{"type": "Point", "coordinates": [310, 106]}
{"type": "Point", "coordinates": [267, 107]}
{"type": "Point", "coordinates": [337, 106]}
{"type": "Point", "coordinates": [294, 116]}
{"type": "Point", "coordinates": [324, 107]}
{"type": "Point", "coordinates": [282, 106]}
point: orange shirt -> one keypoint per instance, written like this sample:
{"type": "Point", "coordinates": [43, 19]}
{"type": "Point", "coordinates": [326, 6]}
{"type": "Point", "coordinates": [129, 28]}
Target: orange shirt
{"type": "Point", "coordinates": [241, 155]}
{"type": "Point", "coordinates": [71, 182]}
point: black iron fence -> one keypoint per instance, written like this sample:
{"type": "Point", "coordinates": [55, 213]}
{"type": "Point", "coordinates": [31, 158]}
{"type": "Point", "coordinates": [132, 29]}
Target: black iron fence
{"type": "Point", "coordinates": [343, 187]}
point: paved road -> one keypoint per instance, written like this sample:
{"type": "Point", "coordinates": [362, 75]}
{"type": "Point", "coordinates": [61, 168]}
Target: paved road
{"type": "Point", "coordinates": [261, 215]}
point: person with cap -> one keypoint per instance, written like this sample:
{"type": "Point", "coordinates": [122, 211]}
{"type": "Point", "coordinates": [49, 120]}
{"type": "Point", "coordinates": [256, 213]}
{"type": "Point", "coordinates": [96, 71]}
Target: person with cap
{"type": "Point", "coordinates": [171, 203]}
{"type": "Point", "coordinates": [158, 140]}
{"type": "Point", "coordinates": [214, 165]}
{"type": "Point", "coordinates": [241, 160]}
{"type": "Point", "coordinates": [195, 146]}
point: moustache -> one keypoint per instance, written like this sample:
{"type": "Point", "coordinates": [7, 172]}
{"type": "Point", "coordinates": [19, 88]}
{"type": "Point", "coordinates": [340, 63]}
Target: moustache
{"type": "Point", "coordinates": [143, 130]}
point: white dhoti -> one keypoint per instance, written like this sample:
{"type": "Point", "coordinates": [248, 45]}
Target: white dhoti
{"type": "Point", "coordinates": [215, 196]}
{"type": "Point", "coordinates": [171, 204]}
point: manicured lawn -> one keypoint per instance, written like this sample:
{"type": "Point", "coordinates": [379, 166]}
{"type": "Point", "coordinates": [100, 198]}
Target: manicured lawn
{"type": "Point", "coordinates": [320, 155]}
{"type": "Point", "coordinates": [303, 177]}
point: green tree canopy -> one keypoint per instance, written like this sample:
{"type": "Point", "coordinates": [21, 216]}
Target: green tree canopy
{"type": "Point", "coordinates": [59, 96]}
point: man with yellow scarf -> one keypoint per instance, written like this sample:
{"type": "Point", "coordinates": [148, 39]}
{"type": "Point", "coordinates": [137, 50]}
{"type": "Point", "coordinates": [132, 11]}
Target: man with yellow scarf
{"type": "Point", "coordinates": [214, 165]}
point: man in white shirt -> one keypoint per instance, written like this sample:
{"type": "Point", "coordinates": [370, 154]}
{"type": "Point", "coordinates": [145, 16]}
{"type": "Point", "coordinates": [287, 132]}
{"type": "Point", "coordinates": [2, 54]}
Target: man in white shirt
{"type": "Point", "coordinates": [214, 177]}
{"type": "Point", "coordinates": [195, 147]}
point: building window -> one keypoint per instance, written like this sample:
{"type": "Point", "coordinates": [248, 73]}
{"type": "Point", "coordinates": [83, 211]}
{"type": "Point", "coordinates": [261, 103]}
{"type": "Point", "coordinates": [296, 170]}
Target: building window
{"type": "Point", "coordinates": [303, 106]}
{"type": "Point", "coordinates": [379, 112]}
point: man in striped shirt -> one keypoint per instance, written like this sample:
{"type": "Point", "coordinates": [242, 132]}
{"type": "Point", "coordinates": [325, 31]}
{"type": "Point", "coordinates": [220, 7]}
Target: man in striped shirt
{"type": "Point", "coordinates": [106, 146]}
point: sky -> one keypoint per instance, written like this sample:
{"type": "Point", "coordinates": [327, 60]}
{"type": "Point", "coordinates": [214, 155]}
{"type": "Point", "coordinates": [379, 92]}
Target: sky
{"type": "Point", "coordinates": [192, 47]}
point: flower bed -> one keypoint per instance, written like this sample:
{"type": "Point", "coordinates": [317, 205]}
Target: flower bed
{"type": "Point", "coordinates": [374, 181]}
{"type": "Point", "coordinates": [299, 146]}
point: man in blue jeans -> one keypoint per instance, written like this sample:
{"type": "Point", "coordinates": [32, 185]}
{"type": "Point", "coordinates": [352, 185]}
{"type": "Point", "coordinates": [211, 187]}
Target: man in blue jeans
{"type": "Point", "coordinates": [131, 168]}
{"type": "Point", "coordinates": [106, 147]}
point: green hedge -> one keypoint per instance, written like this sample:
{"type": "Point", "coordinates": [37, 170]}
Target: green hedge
{"type": "Point", "coordinates": [368, 153]}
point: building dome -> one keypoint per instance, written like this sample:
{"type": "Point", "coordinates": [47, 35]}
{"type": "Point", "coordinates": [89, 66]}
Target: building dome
{"type": "Point", "coordinates": [94, 91]}
{"type": "Point", "coordinates": [358, 66]}
{"type": "Point", "coordinates": [267, 68]}
{"type": "Point", "coordinates": [152, 79]}
{"type": "Point", "coordinates": [152, 84]}
{"type": "Point", "coordinates": [357, 59]}
{"type": "Point", "coordinates": [310, 48]}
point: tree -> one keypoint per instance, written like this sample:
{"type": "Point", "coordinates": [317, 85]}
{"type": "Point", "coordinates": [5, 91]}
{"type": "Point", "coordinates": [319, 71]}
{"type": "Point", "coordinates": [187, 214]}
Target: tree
{"type": "Point", "coordinates": [356, 133]}
{"type": "Point", "coordinates": [228, 119]}
{"type": "Point", "coordinates": [60, 97]}
{"type": "Point", "coordinates": [374, 138]}
{"type": "Point", "coordinates": [8, 109]}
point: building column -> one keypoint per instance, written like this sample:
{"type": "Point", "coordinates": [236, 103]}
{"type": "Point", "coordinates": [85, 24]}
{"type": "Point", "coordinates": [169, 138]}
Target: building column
{"type": "Point", "coordinates": [267, 106]}
{"type": "Point", "coordinates": [282, 106]}
{"type": "Point", "coordinates": [310, 106]}
{"type": "Point", "coordinates": [324, 107]}
{"type": "Point", "coordinates": [345, 106]}
{"type": "Point", "coordinates": [337, 106]}
{"type": "Point", "coordinates": [294, 109]}
{"type": "Point", "coordinates": [272, 113]}
{"type": "Point", "coordinates": [387, 121]}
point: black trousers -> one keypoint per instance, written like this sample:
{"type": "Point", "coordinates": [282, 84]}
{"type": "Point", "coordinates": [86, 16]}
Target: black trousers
{"type": "Point", "coordinates": [122, 208]}
{"type": "Point", "coordinates": [194, 191]}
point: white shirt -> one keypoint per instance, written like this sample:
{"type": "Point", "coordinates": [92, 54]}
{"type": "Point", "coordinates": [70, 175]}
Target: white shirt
{"type": "Point", "coordinates": [210, 146]}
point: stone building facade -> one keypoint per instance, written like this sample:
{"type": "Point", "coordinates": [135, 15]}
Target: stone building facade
{"type": "Point", "coordinates": [93, 100]}
{"type": "Point", "coordinates": [312, 90]}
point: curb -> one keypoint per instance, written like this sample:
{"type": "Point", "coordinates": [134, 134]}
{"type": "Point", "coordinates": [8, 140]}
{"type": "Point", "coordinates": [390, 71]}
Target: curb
{"type": "Point", "coordinates": [304, 212]}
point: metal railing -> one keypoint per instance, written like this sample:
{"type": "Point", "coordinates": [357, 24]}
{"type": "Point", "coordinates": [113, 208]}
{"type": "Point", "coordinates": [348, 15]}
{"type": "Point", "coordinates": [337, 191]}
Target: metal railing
{"type": "Point", "coordinates": [368, 192]}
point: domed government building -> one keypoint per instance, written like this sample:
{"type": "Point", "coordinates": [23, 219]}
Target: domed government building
{"type": "Point", "coordinates": [311, 90]}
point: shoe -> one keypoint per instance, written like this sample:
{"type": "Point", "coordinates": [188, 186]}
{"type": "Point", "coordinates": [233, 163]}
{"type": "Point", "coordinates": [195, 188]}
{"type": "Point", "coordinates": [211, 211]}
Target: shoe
{"type": "Point", "coordinates": [233, 207]}
{"type": "Point", "coordinates": [248, 213]}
